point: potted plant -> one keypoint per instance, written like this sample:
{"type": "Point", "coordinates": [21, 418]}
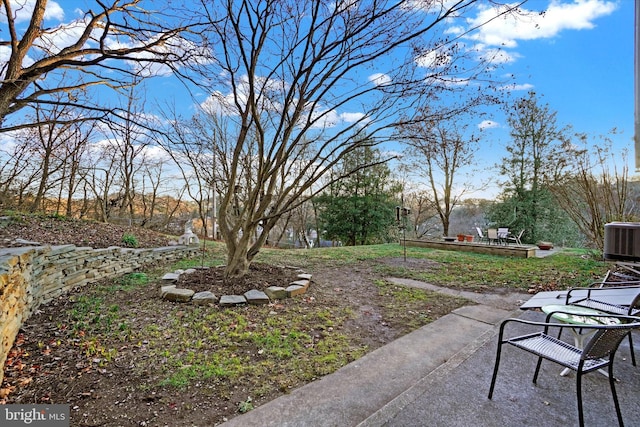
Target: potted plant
{"type": "Point", "coordinates": [544, 246]}
{"type": "Point", "coordinates": [460, 237]}
{"type": "Point", "coordinates": [468, 237]}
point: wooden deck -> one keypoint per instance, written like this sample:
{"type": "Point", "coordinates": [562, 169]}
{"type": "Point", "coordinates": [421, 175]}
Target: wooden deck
{"type": "Point", "coordinates": [519, 251]}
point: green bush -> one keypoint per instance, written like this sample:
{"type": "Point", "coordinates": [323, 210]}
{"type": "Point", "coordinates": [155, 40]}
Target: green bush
{"type": "Point", "coordinates": [129, 240]}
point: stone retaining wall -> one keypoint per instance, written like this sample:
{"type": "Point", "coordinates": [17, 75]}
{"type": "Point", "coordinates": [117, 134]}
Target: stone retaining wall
{"type": "Point", "coordinates": [31, 276]}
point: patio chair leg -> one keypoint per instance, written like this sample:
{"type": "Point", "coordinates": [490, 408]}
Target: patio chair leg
{"type": "Point", "coordinates": [612, 383]}
{"type": "Point", "coordinates": [633, 353]}
{"type": "Point", "coordinates": [535, 374]}
{"type": "Point", "coordinates": [579, 397]}
{"type": "Point", "coordinates": [495, 372]}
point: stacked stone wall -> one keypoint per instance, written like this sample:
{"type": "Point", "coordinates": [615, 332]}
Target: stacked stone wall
{"type": "Point", "coordinates": [32, 276]}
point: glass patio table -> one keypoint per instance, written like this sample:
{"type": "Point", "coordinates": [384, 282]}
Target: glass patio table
{"type": "Point", "coordinates": [578, 316]}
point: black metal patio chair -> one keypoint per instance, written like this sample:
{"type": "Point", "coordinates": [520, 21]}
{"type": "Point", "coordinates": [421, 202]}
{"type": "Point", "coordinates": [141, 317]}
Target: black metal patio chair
{"type": "Point", "coordinates": [598, 352]}
{"type": "Point", "coordinates": [590, 299]}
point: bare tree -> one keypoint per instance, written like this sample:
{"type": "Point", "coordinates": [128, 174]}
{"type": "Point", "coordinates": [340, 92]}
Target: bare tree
{"type": "Point", "coordinates": [129, 142]}
{"type": "Point", "coordinates": [75, 150]}
{"type": "Point", "coordinates": [113, 39]}
{"type": "Point", "coordinates": [191, 144]}
{"type": "Point", "coordinates": [53, 144]}
{"type": "Point", "coordinates": [288, 74]}
{"type": "Point", "coordinates": [15, 173]}
{"type": "Point", "coordinates": [153, 179]}
{"type": "Point", "coordinates": [424, 217]}
{"type": "Point", "coordinates": [595, 189]}
{"type": "Point", "coordinates": [438, 152]}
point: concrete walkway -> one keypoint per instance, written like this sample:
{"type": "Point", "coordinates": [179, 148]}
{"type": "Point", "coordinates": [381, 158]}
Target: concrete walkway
{"type": "Point", "coordinates": [439, 375]}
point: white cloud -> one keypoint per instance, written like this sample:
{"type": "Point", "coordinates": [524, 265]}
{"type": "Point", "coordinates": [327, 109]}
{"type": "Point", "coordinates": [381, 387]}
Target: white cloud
{"type": "Point", "coordinates": [517, 87]}
{"type": "Point", "coordinates": [351, 117]}
{"type": "Point", "coordinates": [23, 10]}
{"type": "Point", "coordinates": [508, 29]}
{"type": "Point", "coordinates": [379, 79]}
{"type": "Point", "coordinates": [156, 154]}
{"type": "Point", "coordinates": [218, 104]}
{"type": "Point", "coordinates": [448, 81]}
{"type": "Point", "coordinates": [496, 56]}
{"type": "Point", "coordinates": [435, 58]}
{"type": "Point", "coordinates": [63, 36]}
{"type": "Point", "coordinates": [325, 119]}
{"type": "Point", "coordinates": [53, 11]}
{"type": "Point", "coordinates": [488, 124]}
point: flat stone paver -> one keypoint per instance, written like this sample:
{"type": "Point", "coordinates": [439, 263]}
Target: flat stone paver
{"type": "Point", "coordinates": [230, 300]}
{"type": "Point", "coordinates": [204, 298]}
{"type": "Point", "coordinates": [171, 277]}
{"type": "Point", "coordinates": [178, 295]}
{"type": "Point", "coordinates": [276, 292]}
{"type": "Point", "coordinates": [293, 290]}
{"type": "Point", "coordinates": [256, 297]}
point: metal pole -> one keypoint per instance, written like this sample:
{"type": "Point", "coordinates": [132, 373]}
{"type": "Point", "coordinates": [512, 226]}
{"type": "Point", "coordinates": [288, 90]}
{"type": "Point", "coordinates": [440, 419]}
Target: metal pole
{"type": "Point", "coordinates": [404, 239]}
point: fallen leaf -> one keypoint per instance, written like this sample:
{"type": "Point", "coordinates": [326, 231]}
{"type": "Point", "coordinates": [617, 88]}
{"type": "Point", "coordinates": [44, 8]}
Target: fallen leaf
{"type": "Point", "coordinates": [4, 392]}
{"type": "Point", "coordinates": [24, 381]}
{"type": "Point", "coordinates": [19, 340]}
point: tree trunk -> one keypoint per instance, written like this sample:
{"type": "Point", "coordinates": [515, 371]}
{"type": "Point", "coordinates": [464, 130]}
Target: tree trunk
{"type": "Point", "coordinates": [237, 264]}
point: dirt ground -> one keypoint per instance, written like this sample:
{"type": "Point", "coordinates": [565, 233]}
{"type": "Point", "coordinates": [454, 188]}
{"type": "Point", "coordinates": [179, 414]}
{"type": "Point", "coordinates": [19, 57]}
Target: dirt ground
{"type": "Point", "coordinates": [50, 363]}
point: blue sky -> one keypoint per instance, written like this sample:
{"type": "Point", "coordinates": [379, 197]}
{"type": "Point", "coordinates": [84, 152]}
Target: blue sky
{"type": "Point", "coordinates": [578, 57]}
{"type": "Point", "coordinates": [581, 62]}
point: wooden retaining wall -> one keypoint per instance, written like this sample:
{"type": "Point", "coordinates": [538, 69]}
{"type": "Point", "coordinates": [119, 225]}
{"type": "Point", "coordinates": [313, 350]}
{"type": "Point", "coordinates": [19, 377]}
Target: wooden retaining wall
{"type": "Point", "coordinates": [31, 276]}
{"type": "Point", "coordinates": [520, 251]}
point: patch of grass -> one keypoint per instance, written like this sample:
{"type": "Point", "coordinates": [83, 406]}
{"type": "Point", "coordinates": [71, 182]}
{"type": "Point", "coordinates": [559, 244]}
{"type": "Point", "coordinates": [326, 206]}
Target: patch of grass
{"type": "Point", "coordinates": [250, 345]}
{"type": "Point", "coordinates": [245, 406]}
{"type": "Point", "coordinates": [412, 307]}
{"type": "Point", "coordinates": [280, 344]}
{"type": "Point", "coordinates": [129, 240]}
{"type": "Point", "coordinates": [461, 270]}
{"type": "Point", "coordinates": [131, 281]}
{"type": "Point", "coordinates": [470, 271]}
{"type": "Point", "coordinates": [343, 255]}
{"type": "Point", "coordinates": [214, 254]}
{"type": "Point", "coordinates": [186, 374]}
{"type": "Point", "coordinates": [91, 315]}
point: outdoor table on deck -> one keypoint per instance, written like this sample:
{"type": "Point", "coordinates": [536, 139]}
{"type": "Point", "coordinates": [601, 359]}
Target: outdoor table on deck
{"type": "Point", "coordinates": [579, 316]}
{"type": "Point", "coordinates": [618, 296]}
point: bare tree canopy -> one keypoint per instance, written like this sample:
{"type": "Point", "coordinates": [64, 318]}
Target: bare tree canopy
{"type": "Point", "coordinates": [304, 83]}
{"type": "Point", "coordinates": [286, 88]}
{"type": "Point", "coordinates": [437, 153]}
{"type": "Point", "coordinates": [103, 46]}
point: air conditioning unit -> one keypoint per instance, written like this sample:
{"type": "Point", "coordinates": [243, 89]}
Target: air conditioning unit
{"type": "Point", "coordinates": [622, 241]}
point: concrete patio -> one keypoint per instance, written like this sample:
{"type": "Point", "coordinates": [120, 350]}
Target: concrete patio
{"type": "Point", "coordinates": [440, 374]}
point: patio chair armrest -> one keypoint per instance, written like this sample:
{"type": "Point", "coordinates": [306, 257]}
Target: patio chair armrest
{"type": "Point", "coordinates": [592, 291]}
{"type": "Point", "coordinates": [546, 324]}
{"type": "Point", "coordinates": [627, 321]}
{"type": "Point", "coordinates": [615, 284]}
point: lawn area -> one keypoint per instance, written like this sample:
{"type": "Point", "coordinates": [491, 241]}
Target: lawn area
{"type": "Point", "coordinates": [463, 270]}
{"type": "Point", "coordinates": [115, 349]}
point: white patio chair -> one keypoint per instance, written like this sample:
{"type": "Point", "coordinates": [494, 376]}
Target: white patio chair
{"type": "Point", "coordinates": [515, 238]}
{"type": "Point", "coordinates": [481, 236]}
{"type": "Point", "coordinates": [502, 234]}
